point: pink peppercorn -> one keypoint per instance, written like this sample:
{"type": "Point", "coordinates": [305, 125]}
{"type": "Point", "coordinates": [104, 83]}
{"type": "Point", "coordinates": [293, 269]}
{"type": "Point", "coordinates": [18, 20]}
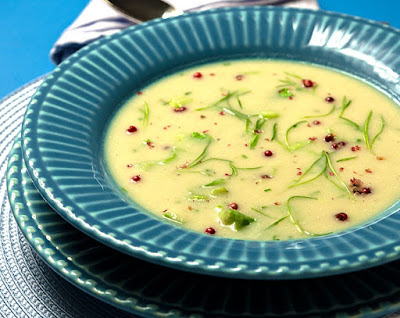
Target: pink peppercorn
{"type": "Point", "coordinates": [341, 216]}
{"type": "Point", "coordinates": [131, 130]}
{"type": "Point", "coordinates": [210, 230]}
{"type": "Point", "coordinates": [197, 75]}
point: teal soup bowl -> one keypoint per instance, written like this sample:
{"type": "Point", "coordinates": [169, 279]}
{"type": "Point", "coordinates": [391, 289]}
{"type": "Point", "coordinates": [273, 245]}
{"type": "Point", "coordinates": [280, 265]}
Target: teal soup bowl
{"type": "Point", "coordinates": [64, 126]}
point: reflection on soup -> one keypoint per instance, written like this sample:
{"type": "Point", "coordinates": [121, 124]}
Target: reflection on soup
{"type": "Point", "coordinates": [258, 149]}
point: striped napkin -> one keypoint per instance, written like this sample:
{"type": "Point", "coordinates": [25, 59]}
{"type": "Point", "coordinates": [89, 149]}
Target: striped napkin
{"type": "Point", "coordinates": [98, 19]}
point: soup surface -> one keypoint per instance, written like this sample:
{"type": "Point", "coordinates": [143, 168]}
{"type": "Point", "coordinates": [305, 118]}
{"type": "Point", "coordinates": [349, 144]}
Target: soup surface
{"type": "Point", "coordinates": [258, 149]}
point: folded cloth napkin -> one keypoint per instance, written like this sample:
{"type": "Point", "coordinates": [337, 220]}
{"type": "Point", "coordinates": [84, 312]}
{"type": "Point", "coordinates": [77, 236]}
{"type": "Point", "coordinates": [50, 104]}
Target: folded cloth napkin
{"type": "Point", "coordinates": [98, 19]}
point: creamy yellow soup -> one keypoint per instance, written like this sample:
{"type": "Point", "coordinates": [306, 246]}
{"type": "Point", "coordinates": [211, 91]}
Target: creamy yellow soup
{"type": "Point", "coordinates": [258, 150]}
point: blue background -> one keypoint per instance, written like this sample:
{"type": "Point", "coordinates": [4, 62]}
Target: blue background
{"type": "Point", "coordinates": [29, 28]}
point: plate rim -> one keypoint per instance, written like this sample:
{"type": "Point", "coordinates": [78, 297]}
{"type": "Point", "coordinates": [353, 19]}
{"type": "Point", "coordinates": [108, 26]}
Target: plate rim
{"type": "Point", "coordinates": [83, 279]}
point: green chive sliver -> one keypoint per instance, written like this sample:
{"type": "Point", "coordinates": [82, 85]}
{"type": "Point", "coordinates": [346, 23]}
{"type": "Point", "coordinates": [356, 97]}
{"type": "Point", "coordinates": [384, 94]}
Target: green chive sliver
{"type": "Point", "coordinates": [346, 159]}
{"type": "Point", "coordinates": [323, 115]}
{"type": "Point", "coordinates": [294, 221]}
{"type": "Point", "coordinates": [214, 183]}
{"type": "Point", "coordinates": [277, 222]}
{"type": "Point", "coordinates": [310, 169]}
{"type": "Point", "coordinates": [261, 212]}
{"type": "Point", "coordinates": [330, 165]}
{"type": "Point", "coordinates": [290, 148]}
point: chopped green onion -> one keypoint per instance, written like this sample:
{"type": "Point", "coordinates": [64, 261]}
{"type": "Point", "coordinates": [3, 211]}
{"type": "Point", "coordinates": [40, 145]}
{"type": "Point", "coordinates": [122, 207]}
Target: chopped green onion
{"type": "Point", "coordinates": [178, 102]}
{"type": "Point", "coordinates": [235, 219]}
{"type": "Point", "coordinates": [285, 92]}
{"type": "Point", "coordinates": [214, 183]}
{"type": "Point", "coordinates": [268, 115]}
{"type": "Point", "coordinates": [198, 135]}
{"type": "Point", "coordinates": [198, 197]}
{"type": "Point", "coordinates": [219, 191]}
{"type": "Point", "coordinates": [172, 217]}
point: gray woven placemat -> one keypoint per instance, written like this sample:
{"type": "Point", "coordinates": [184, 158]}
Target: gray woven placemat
{"type": "Point", "coordinates": [28, 287]}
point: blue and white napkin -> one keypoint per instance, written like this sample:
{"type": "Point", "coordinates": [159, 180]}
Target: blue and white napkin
{"type": "Point", "coordinates": [98, 19]}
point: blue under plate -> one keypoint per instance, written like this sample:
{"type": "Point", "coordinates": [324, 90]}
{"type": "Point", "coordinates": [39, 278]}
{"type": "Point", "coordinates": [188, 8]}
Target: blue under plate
{"type": "Point", "coordinates": [155, 291]}
{"type": "Point", "coordinates": [64, 126]}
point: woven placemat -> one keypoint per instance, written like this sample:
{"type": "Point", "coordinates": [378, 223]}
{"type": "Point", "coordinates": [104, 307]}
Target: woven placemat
{"type": "Point", "coordinates": [29, 287]}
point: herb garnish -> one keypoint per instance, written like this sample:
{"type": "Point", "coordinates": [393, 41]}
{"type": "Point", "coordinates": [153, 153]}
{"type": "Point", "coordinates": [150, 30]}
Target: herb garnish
{"type": "Point", "coordinates": [319, 161]}
{"type": "Point", "coordinates": [364, 130]}
{"type": "Point", "coordinates": [289, 147]}
{"type": "Point", "coordinates": [202, 158]}
{"type": "Point", "coordinates": [214, 183]}
{"type": "Point", "coordinates": [330, 165]}
{"type": "Point", "coordinates": [323, 115]}
{"type": "Point", "coordinates": [274, 132]}
{"type": "Point", "coordinates": [199, 159]}
{"type": "Point", "coordinates": [261, 212]}
{"type": "Point", "coordinates": [346, 159]}
{"type": "Point", "coordinates": [197, 197]}
{"type": "Point", "coordinates": [179, 102]}
{"type": "Point", "coordinates": [288, 84]}
{"type": "Point", "coordinates": [233, 218]}
{"type": "Point", "coordinates": [285, 92]}
{"type": "Point", "coordinates": [150, 164]}
{"type": "Point", "coordinates": [226, 98]}
{"type": "Point", "coordinates": [256, 132]}
{"type": "Point", "coordinates": [296, 223]}
{"type": "Point", "coordinates": [235, 169]}
{"type": "Point", "coordinates": [198, 135]}
{"type": "Point", "coordinates": [239, 102]}
{"type": "Point", "coordinates": [277, 222]}
{"type": "Point", "coordinates": [172, 217]}
{"type": "Point", "coordinates": [219, 191]}
{"type": "Point", "coordinates": [323, 162]}
{"type": "Point", "coordinates": [146, 114]}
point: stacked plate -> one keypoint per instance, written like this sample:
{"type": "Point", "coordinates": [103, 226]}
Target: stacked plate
{"type": "Point", "coordinates": [75, 218]}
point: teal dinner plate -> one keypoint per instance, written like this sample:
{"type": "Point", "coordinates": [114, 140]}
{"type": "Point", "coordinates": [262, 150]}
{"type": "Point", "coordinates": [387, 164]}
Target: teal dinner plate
{"type": "Point", "coordinates": [63, 132]}
{"type": "Point", "coordinates": [150, 290]}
